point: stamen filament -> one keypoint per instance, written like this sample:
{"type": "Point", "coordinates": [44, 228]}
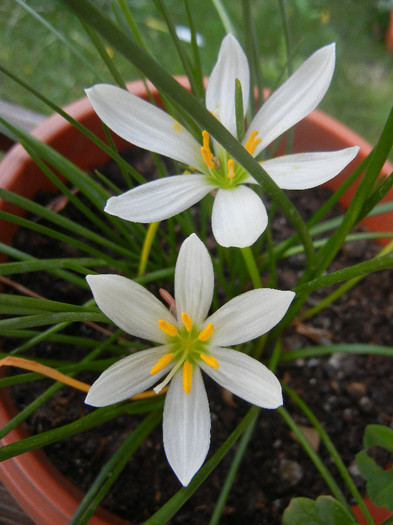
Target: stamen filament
{"type": "Point", "coordinates": [187, 321]}
{"type": "Point", "coordinates": [187, 377]}
{"type": "Point", "coordinates": [167, 328]}
{"type": "Point", "coordinates": [206, 333]}
{"type": "Point", "coordinates": [209, 360]}
{"type": "Point", "coordinates": [252, 142]}
{"type": "Point", "coordinates": [231, 169]}
{"type": "Point", "coordinates": [206, 152]}
{"type": "Point", "coordinates": [161, 363]}
{"type": "Point", "coordinates": [157, 389]}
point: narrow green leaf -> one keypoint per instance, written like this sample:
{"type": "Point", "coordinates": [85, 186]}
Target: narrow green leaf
{"type": "Point", "coordinates": [99, 416]}
{"type": "Point", "coordinates": [101, 144]}
{"type": "Point", "coordinates": [37, 265]}
{"type": "Point", "coordinates": [64, 39]}
{"type": "Point", "coordinates": [315, 458]}
{"type": "Point", "coordinates": [113, 468]}
{"type": "Point", "coordinates": [224, 17]}
{"type": "Point", "coordinates": [45, 230]}
{"type": "Point", "coordinates": [180, 48]}
{"type": "Point", "coordinates": [230, 478]}
{"type": "Point", "coordinates": [43, 304]}
{"type": "Point", "coordinates": [364, 268]}
{"type": "Point", "coordinates": [332, 451]}
{"type": "Point", "coordinates": [104, 55]}
{"type": "Point", "coordinates": [30, 321]}
{"type": "Point", "coordinates": [64, 222]}
{"type": "Point", "coordinates": [351, 348]}
{"type": "Point", "coordinates": [239, 110]}
{"type": "Point", "coordinates": [365, 188]}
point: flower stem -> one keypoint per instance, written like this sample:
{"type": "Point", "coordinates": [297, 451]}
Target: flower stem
{"type": "Point", "coordinates": [252, 267]}
{"type": "Point", "coordinates": [147, 244]}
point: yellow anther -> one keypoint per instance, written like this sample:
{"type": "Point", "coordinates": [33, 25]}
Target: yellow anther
{"type": "Point", "coordinates": [209, 360]}
{"type": "Point", "coordinates": [206, 333]}
{"type": "Point", "coordinates": [187, 377]}
{"type": "Point", "coordinates": [161, 363]}
{"type": "Point", "coordinates": [231, 169]}
{"type": "Point", "coordinates": [205, 150]}
{"type": "Point", "coordinates": [187, 321]}
{"type": "Point", "coordinates": [252, 142]}
{"type": "Point", "coordinates": [167, 328]}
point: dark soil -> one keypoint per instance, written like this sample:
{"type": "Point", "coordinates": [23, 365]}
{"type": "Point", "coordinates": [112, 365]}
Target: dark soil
{"type": "Point", "coordinates": [345, 392]}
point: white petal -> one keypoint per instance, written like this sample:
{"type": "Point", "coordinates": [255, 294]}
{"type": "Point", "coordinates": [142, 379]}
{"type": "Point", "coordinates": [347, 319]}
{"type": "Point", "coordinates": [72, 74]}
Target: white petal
{"type": "Point", "coordinates": [130, 306]}
{"type": "Point", "coordinates": [296, 98]}
{"type": "Point", "coordinates": [143, 124]}
{"type": "Point", "coordinates": [127, 377]}
{"type": "Point", "coordinates": [307, 170]}
{"type": "Point", "coordinates": [159, 199]}
{"type": "Point", "coordinates": [239, 217]}
{"type": "Point", "coordinates": [249, 315]}
{"type": "Point", "coordinates": [246, 377]}
{"type": "Point", "coordinates": [231, 64]}
{"type": "Point", "coordinates": [186, 426]}
{"type": "Point", "coordinates": [194, 279]}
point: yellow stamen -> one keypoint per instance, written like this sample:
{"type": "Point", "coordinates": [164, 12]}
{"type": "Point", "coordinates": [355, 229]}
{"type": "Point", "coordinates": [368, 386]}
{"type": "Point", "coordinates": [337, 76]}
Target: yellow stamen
{"type": "Point", "coordinates": [187, 377]}
{"type": "Point", "coordinates": [206, 333]}
{"type": "Point", "coordinates": [209, 360]}
{"type": "Point", "coordinates": [205, 150]}
{"type": "Point", "coordinates": [161, 363]}
{"type": "Point", "coordinates": [252, 142]}
{"type": "Point", "coordinates": [167, 328]}
{"type": "Point", "coordinates": [231, 169]}
{"type": "Point", "coordinates": [187, 321]}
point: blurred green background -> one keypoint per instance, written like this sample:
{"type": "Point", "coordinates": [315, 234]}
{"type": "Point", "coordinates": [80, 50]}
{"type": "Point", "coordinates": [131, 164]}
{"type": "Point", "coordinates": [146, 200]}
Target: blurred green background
{"type": "Point", "coordinates": [360, 94]}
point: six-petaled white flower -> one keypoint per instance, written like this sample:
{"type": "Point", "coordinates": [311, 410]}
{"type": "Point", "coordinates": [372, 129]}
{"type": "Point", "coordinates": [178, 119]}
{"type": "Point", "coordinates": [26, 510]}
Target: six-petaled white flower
{"type": "Point", "coordinates": [239, 216]}
{"type": "Point", "coordinates": [188, 342]}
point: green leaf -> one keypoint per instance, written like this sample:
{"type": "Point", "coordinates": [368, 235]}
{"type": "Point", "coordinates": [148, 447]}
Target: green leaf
{"type": "Point", "coordinates": [379, 480]}
{"type": "Point", "coordinates": [325, 510]}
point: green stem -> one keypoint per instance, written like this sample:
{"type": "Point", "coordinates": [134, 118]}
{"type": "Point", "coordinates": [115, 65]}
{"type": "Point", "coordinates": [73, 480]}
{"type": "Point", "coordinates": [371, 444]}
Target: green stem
{"type": "Point", "coordinates": [149, 239]}
{"type": "Point", "coordinates": [252, 267]}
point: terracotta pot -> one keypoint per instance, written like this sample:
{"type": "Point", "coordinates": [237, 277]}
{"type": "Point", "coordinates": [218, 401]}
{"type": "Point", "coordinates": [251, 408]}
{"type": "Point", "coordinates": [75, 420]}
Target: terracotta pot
{"type": "Point", "coordinates": [34, 482]}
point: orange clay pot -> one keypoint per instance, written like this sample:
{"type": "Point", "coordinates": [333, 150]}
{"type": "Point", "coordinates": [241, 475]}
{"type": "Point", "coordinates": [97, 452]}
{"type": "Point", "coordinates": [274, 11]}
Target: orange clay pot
{"type": "Point", "coordinates": [39, 488]}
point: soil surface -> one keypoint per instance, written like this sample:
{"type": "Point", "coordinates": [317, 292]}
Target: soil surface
{"type": "Point", "coordinates": [345, 392]}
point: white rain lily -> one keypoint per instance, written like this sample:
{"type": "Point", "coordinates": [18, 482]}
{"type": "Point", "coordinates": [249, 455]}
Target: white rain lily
{"type": "Point", "coordinates": [239, 216]}
{"type": "Point", "coordinates": [189, 342]}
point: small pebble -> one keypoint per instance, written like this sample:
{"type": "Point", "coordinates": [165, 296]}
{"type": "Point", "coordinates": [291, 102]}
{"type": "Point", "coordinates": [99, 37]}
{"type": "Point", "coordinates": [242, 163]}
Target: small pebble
{"type": "Point", "coordinates": [356, 390]}
{"type": "Point", "coordinates": [366, 405]}
{"type": "Point", "coordinates": [290, 472]}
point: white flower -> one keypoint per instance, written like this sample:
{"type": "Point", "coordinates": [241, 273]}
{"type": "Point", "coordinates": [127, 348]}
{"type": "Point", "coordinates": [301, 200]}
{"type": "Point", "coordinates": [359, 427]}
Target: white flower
{"type": "Point", "coordinates": [239, 216]}
{"type": "Point", "coordinates": [189, 342]}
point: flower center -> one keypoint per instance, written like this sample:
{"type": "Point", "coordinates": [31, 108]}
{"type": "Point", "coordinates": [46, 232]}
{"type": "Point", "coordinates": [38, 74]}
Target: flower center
{"type": "Point", "coordinates": [222, 169]}
{"type": "Point", "coordinates": [188, 347]}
